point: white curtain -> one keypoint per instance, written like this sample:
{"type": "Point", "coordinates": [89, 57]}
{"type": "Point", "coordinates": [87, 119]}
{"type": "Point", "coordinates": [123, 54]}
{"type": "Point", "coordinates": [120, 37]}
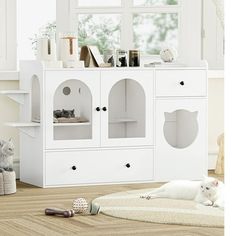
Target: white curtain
{"type": "Point", "coordinates": [220, 10]}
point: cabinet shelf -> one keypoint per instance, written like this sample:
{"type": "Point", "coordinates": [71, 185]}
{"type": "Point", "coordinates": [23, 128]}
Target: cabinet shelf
{"type": "Point", "coordinates": [122, 120]}
{"type": "Point", "coordinates": [16, 95]}
{"type": "Point", "coordinates": [28, 128]}
{"type": "Point", "coordinates": [71, 124]}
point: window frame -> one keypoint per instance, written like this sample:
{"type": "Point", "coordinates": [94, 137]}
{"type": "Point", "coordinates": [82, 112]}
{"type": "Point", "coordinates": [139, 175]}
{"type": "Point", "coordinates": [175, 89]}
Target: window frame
{"type": "Point", "coordinates": [126, 10]}
{"type": "Point", "coordinates": [189, 35]}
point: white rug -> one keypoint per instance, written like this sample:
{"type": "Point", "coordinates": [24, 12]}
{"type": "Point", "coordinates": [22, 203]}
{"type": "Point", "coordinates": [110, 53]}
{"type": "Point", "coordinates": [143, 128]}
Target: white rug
{"type": "Point", "coordinates": [129, 205]}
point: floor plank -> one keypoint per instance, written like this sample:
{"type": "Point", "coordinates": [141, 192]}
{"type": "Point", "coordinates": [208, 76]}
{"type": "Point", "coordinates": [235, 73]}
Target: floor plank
{"type": "Point", "coordinates": [23, 214]}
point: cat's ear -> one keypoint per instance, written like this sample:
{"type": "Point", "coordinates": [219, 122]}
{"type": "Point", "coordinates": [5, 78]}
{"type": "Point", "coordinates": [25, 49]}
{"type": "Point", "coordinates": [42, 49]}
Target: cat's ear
{"type": "Point", "coordinates": [215, 182]}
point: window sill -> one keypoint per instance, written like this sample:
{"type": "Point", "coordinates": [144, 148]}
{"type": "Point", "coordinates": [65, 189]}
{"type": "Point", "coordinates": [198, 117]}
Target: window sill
{"type": "Point", "coordinates": [9, 75]}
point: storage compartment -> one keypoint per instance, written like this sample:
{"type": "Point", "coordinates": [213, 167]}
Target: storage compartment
{"type": "Point", "coordinates": [127, 110]}
{"type": "Point", "coordinates": [181, 139]}
{"type": "Point", "coordinates": [72, 113]}
{"type": "Point", "coordinates": [173, 83]}
{"type": "Point", "coordinates": [106, 166]}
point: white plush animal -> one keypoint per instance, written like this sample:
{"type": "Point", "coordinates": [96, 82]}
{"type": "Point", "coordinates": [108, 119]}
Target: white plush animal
{"type": "Point", "coordinates": [209, 192]}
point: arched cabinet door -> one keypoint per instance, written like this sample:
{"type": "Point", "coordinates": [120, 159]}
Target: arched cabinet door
{"type": "Point", "coordinates": [72, 120]}
{"type": "Point", "coordinates": [126, 108]}
{"type": "Point", "coordinates": [181, 138]}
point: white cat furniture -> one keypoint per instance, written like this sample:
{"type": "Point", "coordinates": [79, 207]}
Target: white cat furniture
{"type": "Point", "coordinates": [140, 124]}
{"type": "Point", "coordinates": [7, 182]}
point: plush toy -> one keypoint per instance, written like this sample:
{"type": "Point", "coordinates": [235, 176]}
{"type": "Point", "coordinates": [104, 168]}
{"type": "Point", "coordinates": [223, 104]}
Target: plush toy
{"type": "Point", "coordinates": [168, 54]}
{"type": "Point", "coordinates": [220, 160]}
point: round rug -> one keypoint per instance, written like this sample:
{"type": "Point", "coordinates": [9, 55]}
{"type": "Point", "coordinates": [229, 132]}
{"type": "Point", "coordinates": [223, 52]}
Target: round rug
{"type": "Point", "coordinates": [129, 205]}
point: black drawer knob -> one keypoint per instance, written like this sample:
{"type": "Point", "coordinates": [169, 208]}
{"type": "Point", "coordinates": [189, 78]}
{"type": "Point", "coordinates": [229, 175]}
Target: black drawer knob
{"type": "Point", "coordinates": [128, 165]}
{"type": "Point", "coordinates": [182, 83]}
{"type": "Point", "coordinates": [73, 167]}
{"type": "Point", "coordinates": [104, 109]}
{"type": "Point", "coordinates": [98, 109]}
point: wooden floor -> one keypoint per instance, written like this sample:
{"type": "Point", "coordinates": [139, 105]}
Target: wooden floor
{"type": "Point", "coordinates": [23, 214]}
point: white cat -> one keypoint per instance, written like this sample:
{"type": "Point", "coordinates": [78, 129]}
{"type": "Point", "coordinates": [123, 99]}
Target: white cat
{"type": "Point", "coordinates": [209, 192]}
{"type": "Point", "coordinates": [6, 155]}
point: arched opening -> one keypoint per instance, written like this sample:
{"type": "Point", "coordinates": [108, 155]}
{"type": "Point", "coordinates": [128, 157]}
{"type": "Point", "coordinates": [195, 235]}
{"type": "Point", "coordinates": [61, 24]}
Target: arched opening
{"type": "Point", "coordinates": [127, 110]}
{"type": "Point", "coordinates": [72, 111]}
{"type": "Point", "coordinates": [35, 99]}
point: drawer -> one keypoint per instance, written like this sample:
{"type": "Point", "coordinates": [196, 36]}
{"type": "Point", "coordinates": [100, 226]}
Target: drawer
{"type": "Point", "coordinates": [173, 83]}
{"type": "Point", "coordinates": [105, 166]}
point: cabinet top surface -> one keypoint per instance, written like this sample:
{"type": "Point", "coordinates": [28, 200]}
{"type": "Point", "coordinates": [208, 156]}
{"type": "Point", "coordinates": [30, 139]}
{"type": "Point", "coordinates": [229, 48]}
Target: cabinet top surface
{"type": "Point", "coordinates": [168, 66]}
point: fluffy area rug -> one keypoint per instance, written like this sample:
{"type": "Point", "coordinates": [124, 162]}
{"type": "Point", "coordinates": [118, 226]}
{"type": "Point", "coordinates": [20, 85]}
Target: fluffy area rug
{"type": "Point", "coordinates": [129, 205]}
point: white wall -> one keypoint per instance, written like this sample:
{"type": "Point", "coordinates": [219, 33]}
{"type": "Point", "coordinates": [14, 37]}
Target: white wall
{"type": "Point", "coordinates": [9, 111]}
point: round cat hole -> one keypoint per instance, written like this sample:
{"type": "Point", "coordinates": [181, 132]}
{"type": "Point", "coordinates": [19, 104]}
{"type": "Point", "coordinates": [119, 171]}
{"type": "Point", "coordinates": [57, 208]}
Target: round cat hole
{"type": "Point", "coordinates": [180, 128]}
{"type": "Point", "coordinates": [66, 90]}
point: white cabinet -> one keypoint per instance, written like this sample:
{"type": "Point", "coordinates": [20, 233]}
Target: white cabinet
{"type": "Point", "coordinates": [119, 124]}
{"type": "Point", "coordinates": [181, 124]}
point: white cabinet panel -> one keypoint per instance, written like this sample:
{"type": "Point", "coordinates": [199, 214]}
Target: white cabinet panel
{"type": "Point", "coordinates": [104, 166]}
{"type": "Point", "coordinates": [127, 97]}
{"type": "Point", "coordinates": [78, 91]}
{"type": "Point", "coordinates": [173, 83]}
{"type": "Point", "coordinates": [181, 139]}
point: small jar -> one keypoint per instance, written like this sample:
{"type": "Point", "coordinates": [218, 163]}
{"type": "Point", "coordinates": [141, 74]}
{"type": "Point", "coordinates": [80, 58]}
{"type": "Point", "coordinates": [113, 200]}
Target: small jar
{"type": "Point", "coordinates": [109, 57]}
{"type": "Point", "coordinates": [134, 58]}
{"type": "Point", "coordinates": [121, 58]}
{"type": "Point", "coordinates": [68, 48]}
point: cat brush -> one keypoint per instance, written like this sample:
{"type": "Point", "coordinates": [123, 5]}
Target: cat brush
{"type": "Point", "coordinates": [60, 212]}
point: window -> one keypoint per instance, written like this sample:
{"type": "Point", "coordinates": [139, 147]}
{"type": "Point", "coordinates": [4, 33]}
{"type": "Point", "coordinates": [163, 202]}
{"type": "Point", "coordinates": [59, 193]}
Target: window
{"type": "Point", "coordinates": [29, 24]}
{"type": "Point", "coordinates": [146, 25]}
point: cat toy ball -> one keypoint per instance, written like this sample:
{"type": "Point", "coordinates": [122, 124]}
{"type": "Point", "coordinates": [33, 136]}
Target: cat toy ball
{"type": "Point", "coordinates": [80, 205]}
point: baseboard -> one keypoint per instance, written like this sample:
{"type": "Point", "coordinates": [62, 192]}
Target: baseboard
{"type": "Point", "coordinates": [16, 167]}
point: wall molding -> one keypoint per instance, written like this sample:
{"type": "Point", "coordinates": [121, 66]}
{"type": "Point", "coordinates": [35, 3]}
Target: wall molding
{"type": "Point", "coordinates": [9, 75]}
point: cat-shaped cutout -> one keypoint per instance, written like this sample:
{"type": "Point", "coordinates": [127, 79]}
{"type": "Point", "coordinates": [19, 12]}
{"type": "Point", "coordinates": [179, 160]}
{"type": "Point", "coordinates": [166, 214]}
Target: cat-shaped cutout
{"type": "Point", "coordinates": [180, 128]}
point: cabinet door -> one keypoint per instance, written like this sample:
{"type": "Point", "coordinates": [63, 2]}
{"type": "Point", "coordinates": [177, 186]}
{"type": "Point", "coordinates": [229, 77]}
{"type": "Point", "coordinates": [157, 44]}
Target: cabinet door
{"type": "Point", "coordinates": [127, 108]}
{"type": "Point", "coordinates": [181, 139]}
{"type": "Point", "coordinates": [78, 93]}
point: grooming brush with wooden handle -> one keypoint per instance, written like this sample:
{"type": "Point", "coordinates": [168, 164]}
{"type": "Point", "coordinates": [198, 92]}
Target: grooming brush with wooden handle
{"type": "Point", "coordinates": [60, 212]}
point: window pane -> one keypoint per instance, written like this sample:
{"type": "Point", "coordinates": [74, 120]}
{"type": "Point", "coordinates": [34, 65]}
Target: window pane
{"type": "Point", "coordinates": [102, 30]}
{"type": "Point", "coordinates": [98, 3]}
{"type": "Point", "coordinates": [154, 2]}
{"type": "Point", "coordinates": [153, 31]}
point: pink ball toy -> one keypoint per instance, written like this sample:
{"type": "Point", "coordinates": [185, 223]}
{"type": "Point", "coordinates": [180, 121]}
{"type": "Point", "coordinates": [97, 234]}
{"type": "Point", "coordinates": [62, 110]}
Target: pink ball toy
{"type": "Point", "coordinates": [80, 205]}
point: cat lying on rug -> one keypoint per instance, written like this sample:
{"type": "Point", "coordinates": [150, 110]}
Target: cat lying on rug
{"type": "Point", "coordinates": [6, 155]}
{"type": "Point", "coordinates": [209, 192]}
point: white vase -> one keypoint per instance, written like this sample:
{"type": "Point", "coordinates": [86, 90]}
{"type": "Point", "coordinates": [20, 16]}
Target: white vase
{"type": "Point", "coordinates": [46, 49]}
